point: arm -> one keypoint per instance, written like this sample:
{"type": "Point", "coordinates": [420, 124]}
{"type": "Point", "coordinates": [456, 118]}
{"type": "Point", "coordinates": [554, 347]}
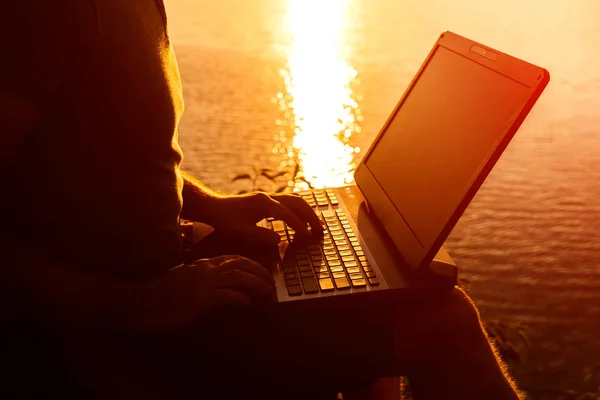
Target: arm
{"type": "Point", "coordinates": [66, 295]}
{"type": "Point", "coordinates": [238, 215]}
{"type": "Point", "coordinates": [199, 201]}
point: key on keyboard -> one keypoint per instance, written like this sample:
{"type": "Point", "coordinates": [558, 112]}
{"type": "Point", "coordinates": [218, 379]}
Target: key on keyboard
{"type": "Point", "coordinates": [319, 198]}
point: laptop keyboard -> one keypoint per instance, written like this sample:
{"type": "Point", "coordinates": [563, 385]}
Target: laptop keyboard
{"type": "Point", "coordinates": [338, 262]}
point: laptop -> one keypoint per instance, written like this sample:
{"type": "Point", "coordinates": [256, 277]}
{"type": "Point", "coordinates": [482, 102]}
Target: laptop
{"type": "Point", "coordinates": [384, 236]}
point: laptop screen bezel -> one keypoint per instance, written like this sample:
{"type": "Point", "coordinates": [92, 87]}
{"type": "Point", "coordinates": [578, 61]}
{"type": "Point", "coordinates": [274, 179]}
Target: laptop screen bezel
{"type": "Point", "coordinates": [408, 245]}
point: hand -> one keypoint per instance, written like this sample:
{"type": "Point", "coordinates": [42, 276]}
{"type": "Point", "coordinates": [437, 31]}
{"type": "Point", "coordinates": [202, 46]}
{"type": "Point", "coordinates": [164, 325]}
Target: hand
{"type": "Point", "coordinates": [187, 291]}
{"type": "Point", "coordinates": [238, 216]}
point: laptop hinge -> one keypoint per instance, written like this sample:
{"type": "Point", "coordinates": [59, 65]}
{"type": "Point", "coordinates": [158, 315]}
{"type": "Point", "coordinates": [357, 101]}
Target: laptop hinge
{"type": "Point", "coordinates": [442, 267]}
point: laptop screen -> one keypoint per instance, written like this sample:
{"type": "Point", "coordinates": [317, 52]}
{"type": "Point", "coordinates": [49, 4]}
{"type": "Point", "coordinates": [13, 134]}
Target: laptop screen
{"type": "Point", "coordinates": [442, 136]}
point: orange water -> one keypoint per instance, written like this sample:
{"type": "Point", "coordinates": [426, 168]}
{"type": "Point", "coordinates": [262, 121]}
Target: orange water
{"type": "Point", "coordinates": [272, 82]}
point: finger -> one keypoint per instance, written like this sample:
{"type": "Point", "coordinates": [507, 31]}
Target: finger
{"type": "Point", "coordinates": [280, 211]}
{"type": "Point", "coordinates": [243, 281]}
{"type": "Point", "coordinates": [219, 261]}
{"type": "Point", "coordinates": [227, 297]}
{"type": "Point", "coordinates": [247, 265]}
{"type": "Point", "coordinates": [299, 206]}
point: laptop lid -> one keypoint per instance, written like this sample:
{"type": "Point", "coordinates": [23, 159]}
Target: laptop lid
{"type": "Point", "coordinates": [442, 139]}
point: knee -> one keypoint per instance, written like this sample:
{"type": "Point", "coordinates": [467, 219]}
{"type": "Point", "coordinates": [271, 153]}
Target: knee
{"type": "Point", "coordinates": [454, 313]}
{"type": "Point", "coordinates": [439, 327]}
{"type": "Point", "coordinates": [461, 310]}
{"type": "Point", "coordinates": [455, 320]}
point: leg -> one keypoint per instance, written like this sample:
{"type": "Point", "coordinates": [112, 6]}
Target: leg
{"type": "Point", "coordinates": [246, 353]}
{"type": "Point", "coordinates": [311, 339]}
{"type": "Point", "coordinates": [441, 346]}
{"type": "Point", "coordinates": [271, 355]}
{"type": "Point", "coordinates": [447, 354]}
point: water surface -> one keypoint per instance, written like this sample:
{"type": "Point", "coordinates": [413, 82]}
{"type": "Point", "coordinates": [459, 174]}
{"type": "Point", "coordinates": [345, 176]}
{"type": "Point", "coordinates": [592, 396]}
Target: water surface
{"type": "Point", "coordinates": [273, 82]}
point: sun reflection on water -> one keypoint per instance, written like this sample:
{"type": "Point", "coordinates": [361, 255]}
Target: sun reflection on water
{"type": "Point", "coordinates": [319, 105]}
